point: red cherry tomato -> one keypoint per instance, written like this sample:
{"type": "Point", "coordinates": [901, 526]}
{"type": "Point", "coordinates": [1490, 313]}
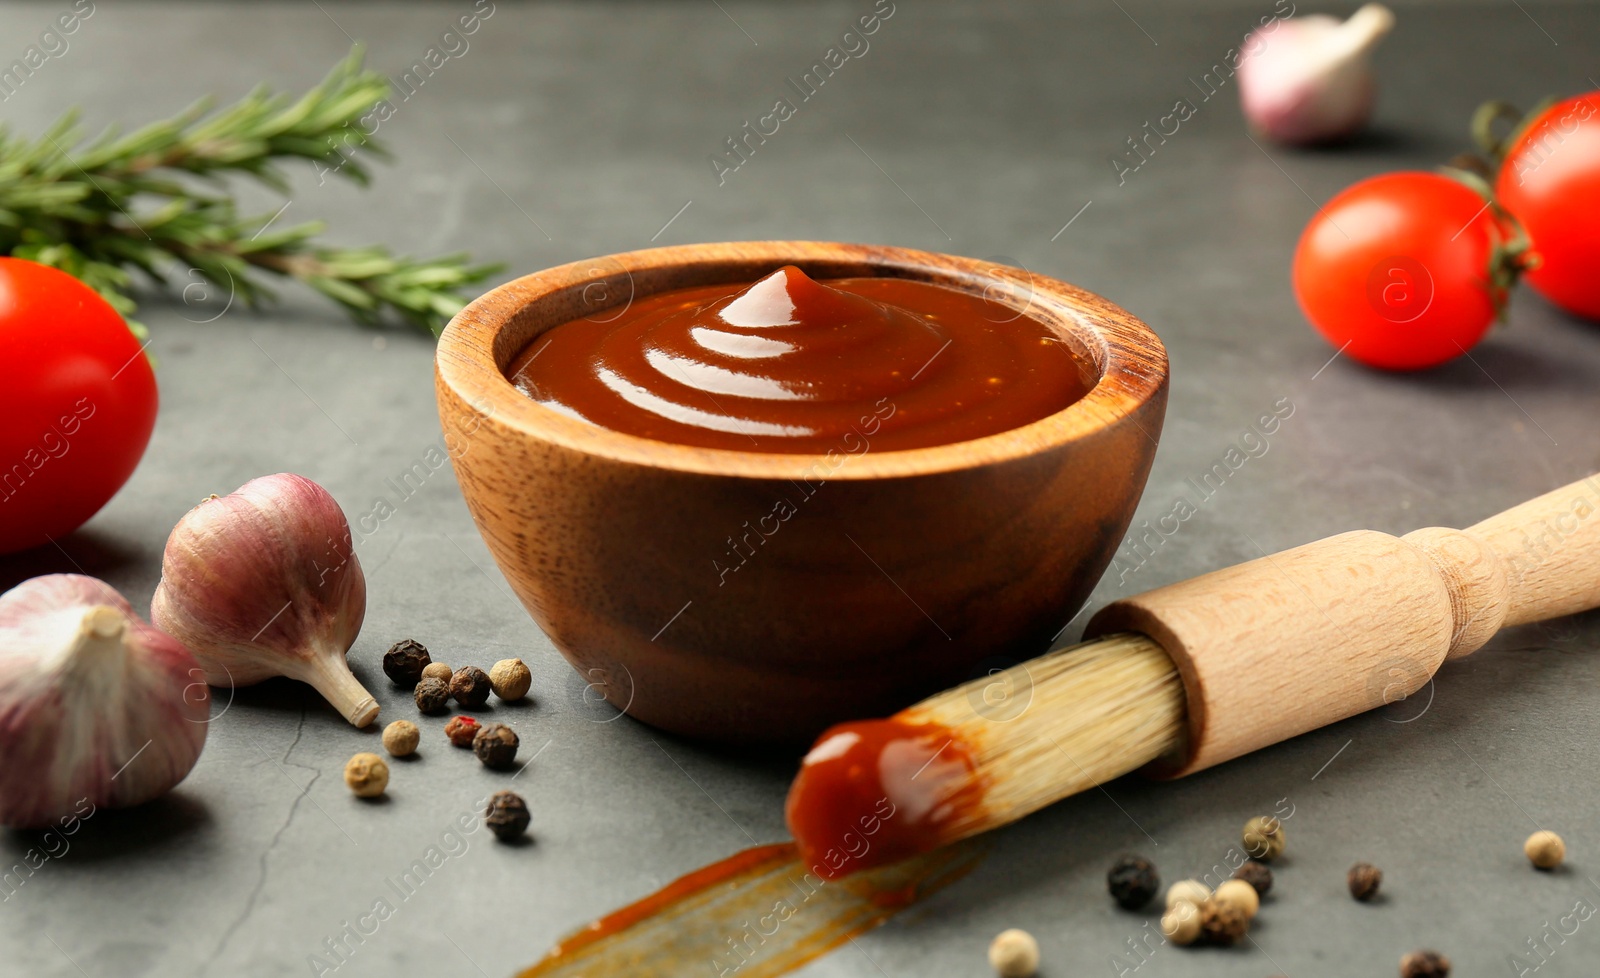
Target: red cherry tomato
{"type": "Point", "coordinates": [1396, 270]}
{"type": "Point", "coordinates": [1550, 181]}
{"type": "Point", "coordinates": [78, 400]}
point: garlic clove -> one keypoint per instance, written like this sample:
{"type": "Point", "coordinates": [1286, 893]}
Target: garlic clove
{"type": "Point", "coordinates": [97, 708]}
{"type": "Point", "coordinates": [265, 582]}
{"type": "Point", "coordinates": [1310, 78]}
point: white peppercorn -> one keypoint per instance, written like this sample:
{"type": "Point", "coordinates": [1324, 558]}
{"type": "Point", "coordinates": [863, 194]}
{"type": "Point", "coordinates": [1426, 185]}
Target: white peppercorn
{"type": "Point", "coordinates": [1239, 893]}
{"type": "Point", "coordinates": [1264, 838]}
{"type": "Point", "coordinates": [367, 775]}
{"type": "Point", "coordinates": [1014, 954]}
{"type": "Point", "coordinates": [1187, 891]}
{"type": "Point", "coordinates": [401, 737]}
{"type": "Point", "coordinates": [1181, 924]}
{"type": "Point", "coordinates": [510, 679]}
{"type": "Point", "coordinates": [1545, 849]}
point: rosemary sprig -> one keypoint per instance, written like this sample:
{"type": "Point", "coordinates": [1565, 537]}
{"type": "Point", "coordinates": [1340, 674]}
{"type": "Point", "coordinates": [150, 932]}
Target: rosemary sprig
{"type": "Point", "coordinates": [155, 200]}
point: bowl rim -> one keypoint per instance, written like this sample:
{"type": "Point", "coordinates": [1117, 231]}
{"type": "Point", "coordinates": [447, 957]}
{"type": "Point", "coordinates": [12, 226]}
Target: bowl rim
{"type": "Point", "coordinates": [473, 353]}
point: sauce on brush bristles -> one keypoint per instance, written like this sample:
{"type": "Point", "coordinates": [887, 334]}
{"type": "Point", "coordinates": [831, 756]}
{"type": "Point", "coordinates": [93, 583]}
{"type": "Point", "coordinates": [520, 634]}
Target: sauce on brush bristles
{"type": "Point", "coordinates": [983, 754]}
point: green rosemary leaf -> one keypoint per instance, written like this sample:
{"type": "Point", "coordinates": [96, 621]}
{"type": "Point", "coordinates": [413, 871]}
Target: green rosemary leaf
{"type": "Point", "coordinates": [135, 201]}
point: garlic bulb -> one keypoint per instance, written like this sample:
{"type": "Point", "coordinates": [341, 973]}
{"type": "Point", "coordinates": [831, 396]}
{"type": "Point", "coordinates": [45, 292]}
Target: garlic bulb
{"type": "Point", "coordinates": [97, 707]}
{"type": "Point", "coordinates": [1310, 78]}
{"type": "Point", "coordinates": [265, 582]}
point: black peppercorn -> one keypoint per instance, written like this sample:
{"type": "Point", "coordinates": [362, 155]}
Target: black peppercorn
{"type": "Point", "coordinates": [507, 816]}
{"type": "Point", "coordinates": [1256, 874]}
{"type": "Point", "coordinates": [1424, 964]}
{"type": "Point", "coordinates": [1133, 882]}
{"type": "Point", "coordinates": [496, 745]}
{"type": "Point", "coordinates": [1223, 921]}
{"type": "Point", "coordinates": [405, 661]}
{"type": "Point", "coordinates": [432, 695]}
{"type": "Point", "coordinates": [1364, 879]}
{"type": "Point", "coordinates": [470, 686]}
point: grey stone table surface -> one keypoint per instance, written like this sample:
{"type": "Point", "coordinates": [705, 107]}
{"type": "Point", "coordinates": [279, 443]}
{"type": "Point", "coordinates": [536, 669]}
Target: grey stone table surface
{"type": "Point", "coordinates": [561, 131]}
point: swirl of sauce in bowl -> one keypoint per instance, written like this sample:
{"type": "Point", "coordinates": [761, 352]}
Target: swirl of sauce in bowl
{"type": "Point", "coordinates": [793, 365]}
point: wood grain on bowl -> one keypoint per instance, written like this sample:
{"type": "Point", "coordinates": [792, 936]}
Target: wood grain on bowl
{"type": "Point", "coordinates": [756, 598]}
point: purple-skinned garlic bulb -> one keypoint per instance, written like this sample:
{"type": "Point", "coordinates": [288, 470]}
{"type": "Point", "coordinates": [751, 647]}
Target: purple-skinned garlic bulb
{"type": "Point", "coordinates": [97, 708]}
{"type": "Point", "coordinates": [1309, 79]}
{"type": "Point", "coordinates": [265, 582]}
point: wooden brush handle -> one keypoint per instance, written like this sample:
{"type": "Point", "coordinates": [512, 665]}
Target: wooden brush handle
{"type": "Point", "coordinates": [1288, 643]}
{"type": "Point", "coordinates": [1551, 550]}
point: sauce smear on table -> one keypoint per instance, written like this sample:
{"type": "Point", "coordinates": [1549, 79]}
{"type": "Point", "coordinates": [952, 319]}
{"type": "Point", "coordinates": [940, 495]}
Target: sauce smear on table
{"type": "Point", "coordinates": [790, 364]}
{"type": "Point", "coordinates": [758, 914]}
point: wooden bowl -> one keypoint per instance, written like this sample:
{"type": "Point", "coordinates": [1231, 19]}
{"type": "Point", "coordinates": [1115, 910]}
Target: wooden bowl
{"type": "Point", "coordinates": [666, 574]}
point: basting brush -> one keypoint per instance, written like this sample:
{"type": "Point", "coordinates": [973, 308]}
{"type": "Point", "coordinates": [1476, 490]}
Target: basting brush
{"type": "Point", "coordinates": [1190, 675]}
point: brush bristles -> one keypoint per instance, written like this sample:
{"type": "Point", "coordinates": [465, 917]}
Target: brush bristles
{"type": "Point", "coordinates": [1056, 725]}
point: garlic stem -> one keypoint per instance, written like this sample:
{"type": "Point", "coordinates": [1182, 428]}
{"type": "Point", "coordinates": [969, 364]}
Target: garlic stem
{"type": "Point", "coordinates": [1361, 33]}
{"type": "Point", "coordinates": [327, 673]}
{"type": "Point", "coordinates": [98, 639]}
{"type": "Point", "coordinates": [103, 621]}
